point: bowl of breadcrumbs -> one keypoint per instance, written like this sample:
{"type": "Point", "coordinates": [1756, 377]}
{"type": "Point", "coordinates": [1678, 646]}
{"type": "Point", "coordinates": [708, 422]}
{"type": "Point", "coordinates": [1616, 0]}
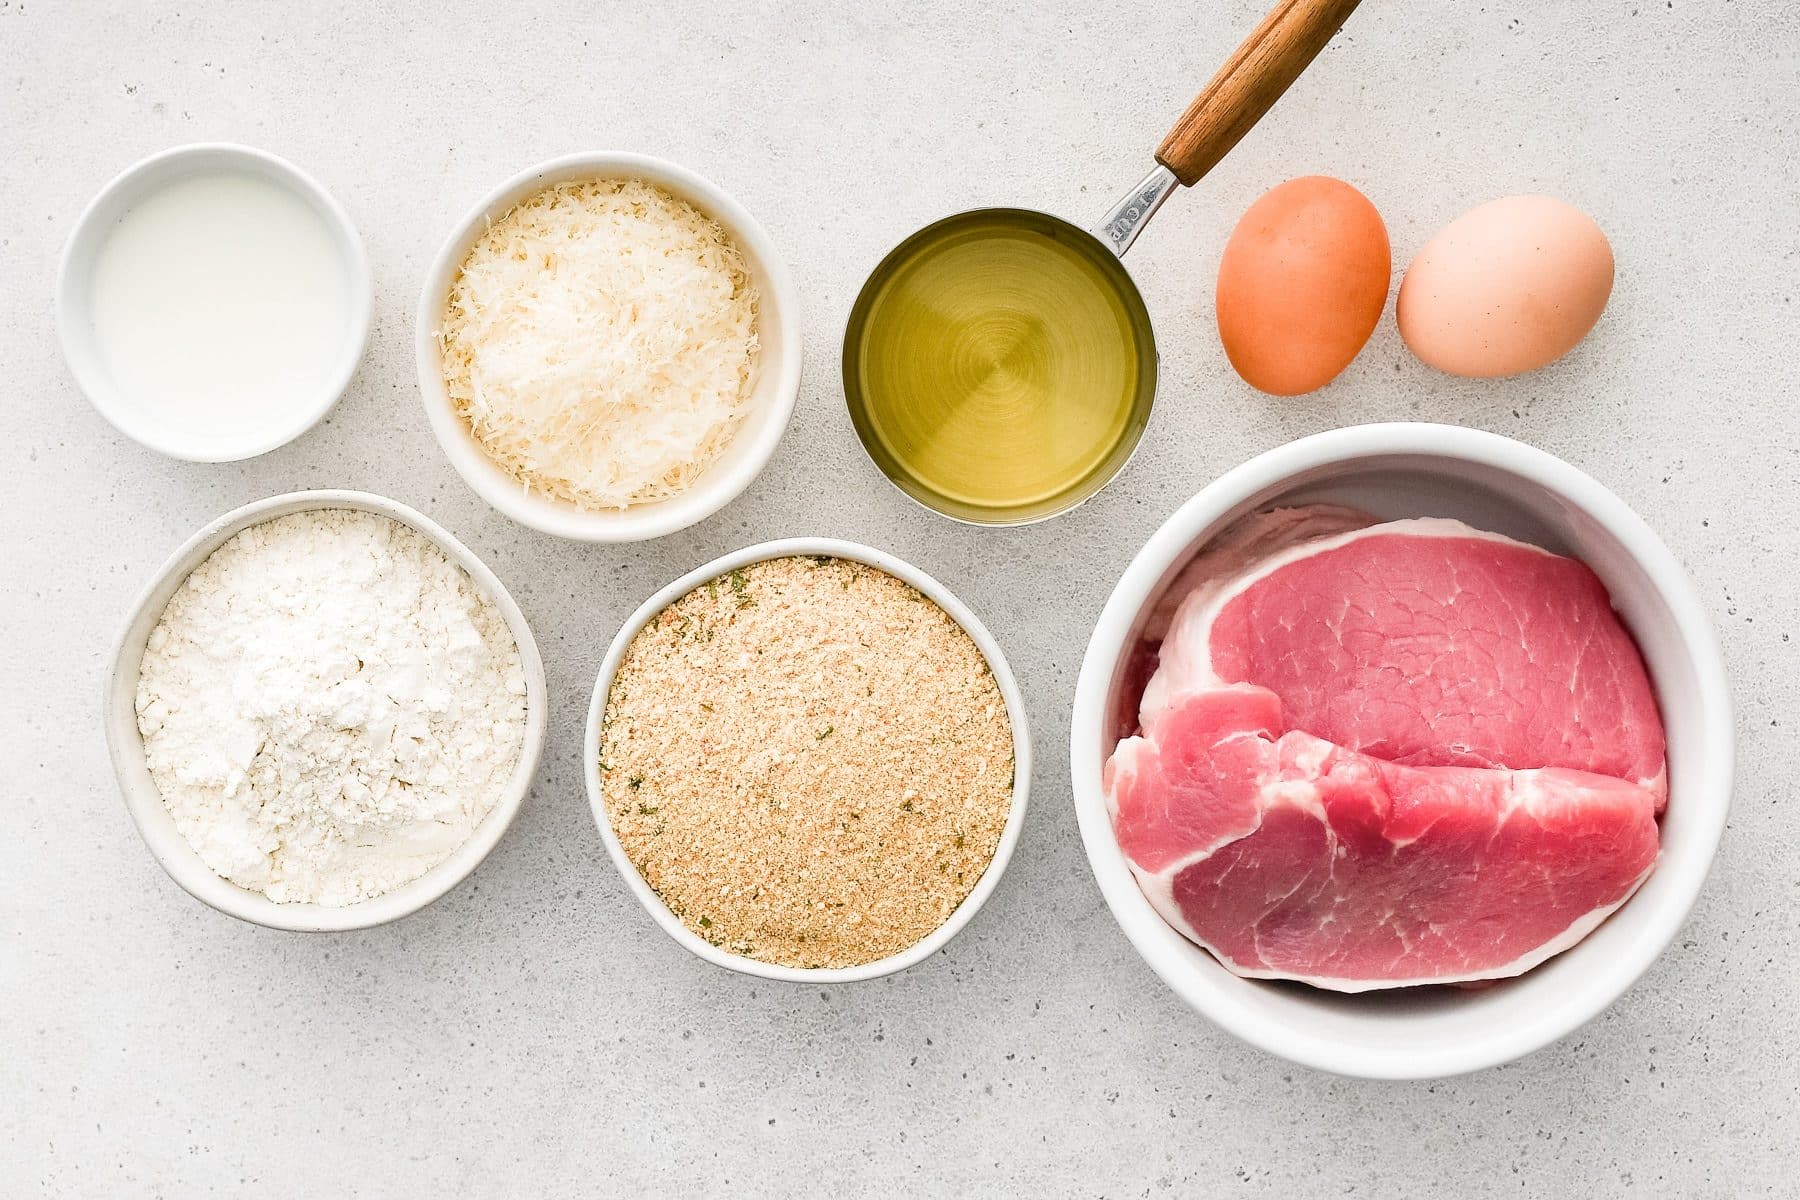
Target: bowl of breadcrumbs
{"type": "Point", "coordinates": [808, 760]}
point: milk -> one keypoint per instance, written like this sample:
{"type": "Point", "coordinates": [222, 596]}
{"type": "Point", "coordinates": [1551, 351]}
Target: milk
{"type": "Point", "coordinates": [221, 306]}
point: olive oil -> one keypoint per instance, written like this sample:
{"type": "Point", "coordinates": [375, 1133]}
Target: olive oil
{"type": "Point", "coordinates": [999, 366]}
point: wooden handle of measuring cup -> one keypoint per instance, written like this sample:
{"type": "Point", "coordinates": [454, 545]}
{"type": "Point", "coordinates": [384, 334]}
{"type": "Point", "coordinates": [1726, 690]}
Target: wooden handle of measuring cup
{"type": "Point", "coordinates": [1251, 80]}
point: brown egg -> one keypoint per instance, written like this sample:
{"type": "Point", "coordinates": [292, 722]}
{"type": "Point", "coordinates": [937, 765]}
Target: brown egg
{"type": "Point", "coordinates": [1506, 287]}
{"type": "Point", "coordinates": [1301, 284]}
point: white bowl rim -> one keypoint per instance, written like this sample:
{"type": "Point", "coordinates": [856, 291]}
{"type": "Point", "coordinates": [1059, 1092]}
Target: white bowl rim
{"type": "Point", "coordinates": [1140, 922]}
{"type": "Point", "coordinates": [716, 487]}
{"type": "Point", "coordinates": [83, 361]}
{"type": "Point", "coordinates": [142, 801]}
{"type": "Point", "coordinates": [959, 612]}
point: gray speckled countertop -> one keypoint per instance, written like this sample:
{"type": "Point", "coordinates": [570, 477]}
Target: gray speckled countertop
{"type": "Point", "coordinates": [533, 1033]}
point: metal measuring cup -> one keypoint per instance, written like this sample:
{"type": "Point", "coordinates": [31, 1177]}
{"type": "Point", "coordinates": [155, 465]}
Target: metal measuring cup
{"type": "Point", "coordinates": [1237, 96]}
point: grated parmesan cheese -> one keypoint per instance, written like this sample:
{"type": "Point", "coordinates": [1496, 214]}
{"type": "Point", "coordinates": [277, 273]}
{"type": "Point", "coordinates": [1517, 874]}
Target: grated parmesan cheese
{"type": "Point", "coordinates": [600, 341]}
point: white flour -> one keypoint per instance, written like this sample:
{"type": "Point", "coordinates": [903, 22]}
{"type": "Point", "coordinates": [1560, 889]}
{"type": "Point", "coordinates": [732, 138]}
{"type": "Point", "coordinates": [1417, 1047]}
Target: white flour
{"type": "Point", "coordinates": [329, 707]}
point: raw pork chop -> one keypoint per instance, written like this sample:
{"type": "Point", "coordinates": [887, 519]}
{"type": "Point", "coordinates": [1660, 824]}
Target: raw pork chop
{"type": "Point", "coordinates": [1375, 755]}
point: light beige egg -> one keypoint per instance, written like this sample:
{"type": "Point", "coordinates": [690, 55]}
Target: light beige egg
{"type": "Point", "coordinates": [1507, 287]}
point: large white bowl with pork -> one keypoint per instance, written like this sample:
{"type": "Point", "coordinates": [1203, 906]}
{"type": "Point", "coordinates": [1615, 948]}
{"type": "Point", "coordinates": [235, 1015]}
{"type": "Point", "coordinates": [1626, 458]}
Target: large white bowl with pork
{"type": "Point", "coordinates": [1402, 472]}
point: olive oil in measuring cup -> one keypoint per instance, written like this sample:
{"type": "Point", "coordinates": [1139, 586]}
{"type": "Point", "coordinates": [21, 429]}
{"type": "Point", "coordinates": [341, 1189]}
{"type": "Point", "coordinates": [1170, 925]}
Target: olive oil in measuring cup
{"type": "Point", "coordinates": [999, 366]}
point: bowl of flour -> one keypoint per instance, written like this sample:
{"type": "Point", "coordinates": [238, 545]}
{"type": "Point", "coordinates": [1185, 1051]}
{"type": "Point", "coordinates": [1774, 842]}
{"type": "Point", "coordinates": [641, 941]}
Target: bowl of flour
{"type": "Point", "coordinates": [324, 712]}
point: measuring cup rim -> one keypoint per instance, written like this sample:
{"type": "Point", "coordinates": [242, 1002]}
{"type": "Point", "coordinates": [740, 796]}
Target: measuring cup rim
{"type": "Point", "coordinates": [1132, 294]}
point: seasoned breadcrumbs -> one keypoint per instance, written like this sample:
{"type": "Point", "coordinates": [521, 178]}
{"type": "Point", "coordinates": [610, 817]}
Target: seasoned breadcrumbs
{"type": "Point", "coordinates": [808, 760]}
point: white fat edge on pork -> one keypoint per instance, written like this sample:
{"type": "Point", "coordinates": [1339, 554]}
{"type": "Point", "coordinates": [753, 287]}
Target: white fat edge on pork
{"type": "Point", "coordinates": [1159, 886]}
{"type": "Point", "coordinates": [1532, 959]}
{"type": "Point", "coordinates": [1524, 791]}
{"type": "Point", "coordinates": [1251, 550]}
{"type": "Point", "coordinates": [1245, 542]}
{"type": "Point", "coordinates": [1186, 608]}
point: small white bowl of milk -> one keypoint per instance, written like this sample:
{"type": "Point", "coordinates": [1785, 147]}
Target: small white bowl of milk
{"type": "Point", "coordinates": [214, 302]}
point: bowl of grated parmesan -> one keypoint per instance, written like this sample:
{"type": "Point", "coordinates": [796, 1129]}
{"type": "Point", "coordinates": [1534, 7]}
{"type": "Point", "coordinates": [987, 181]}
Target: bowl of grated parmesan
{"type": "Point", "coordinates": [608, 347]}
{"type": "Point", "coordinates": [809, 761]}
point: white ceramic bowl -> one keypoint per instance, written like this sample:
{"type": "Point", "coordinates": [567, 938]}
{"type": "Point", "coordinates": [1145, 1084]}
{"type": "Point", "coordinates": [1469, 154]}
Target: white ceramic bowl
{"type": "Point", "coordinates": [1491, 482]}
{"type": "Point", "coordinates": [1009, 691]}
{"type": "Point", "coordinates": [74, 323]}
{"type": "Point", "coordinates": [145, 804]}
{"type": "Point", "coordinates": [774, 388]}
